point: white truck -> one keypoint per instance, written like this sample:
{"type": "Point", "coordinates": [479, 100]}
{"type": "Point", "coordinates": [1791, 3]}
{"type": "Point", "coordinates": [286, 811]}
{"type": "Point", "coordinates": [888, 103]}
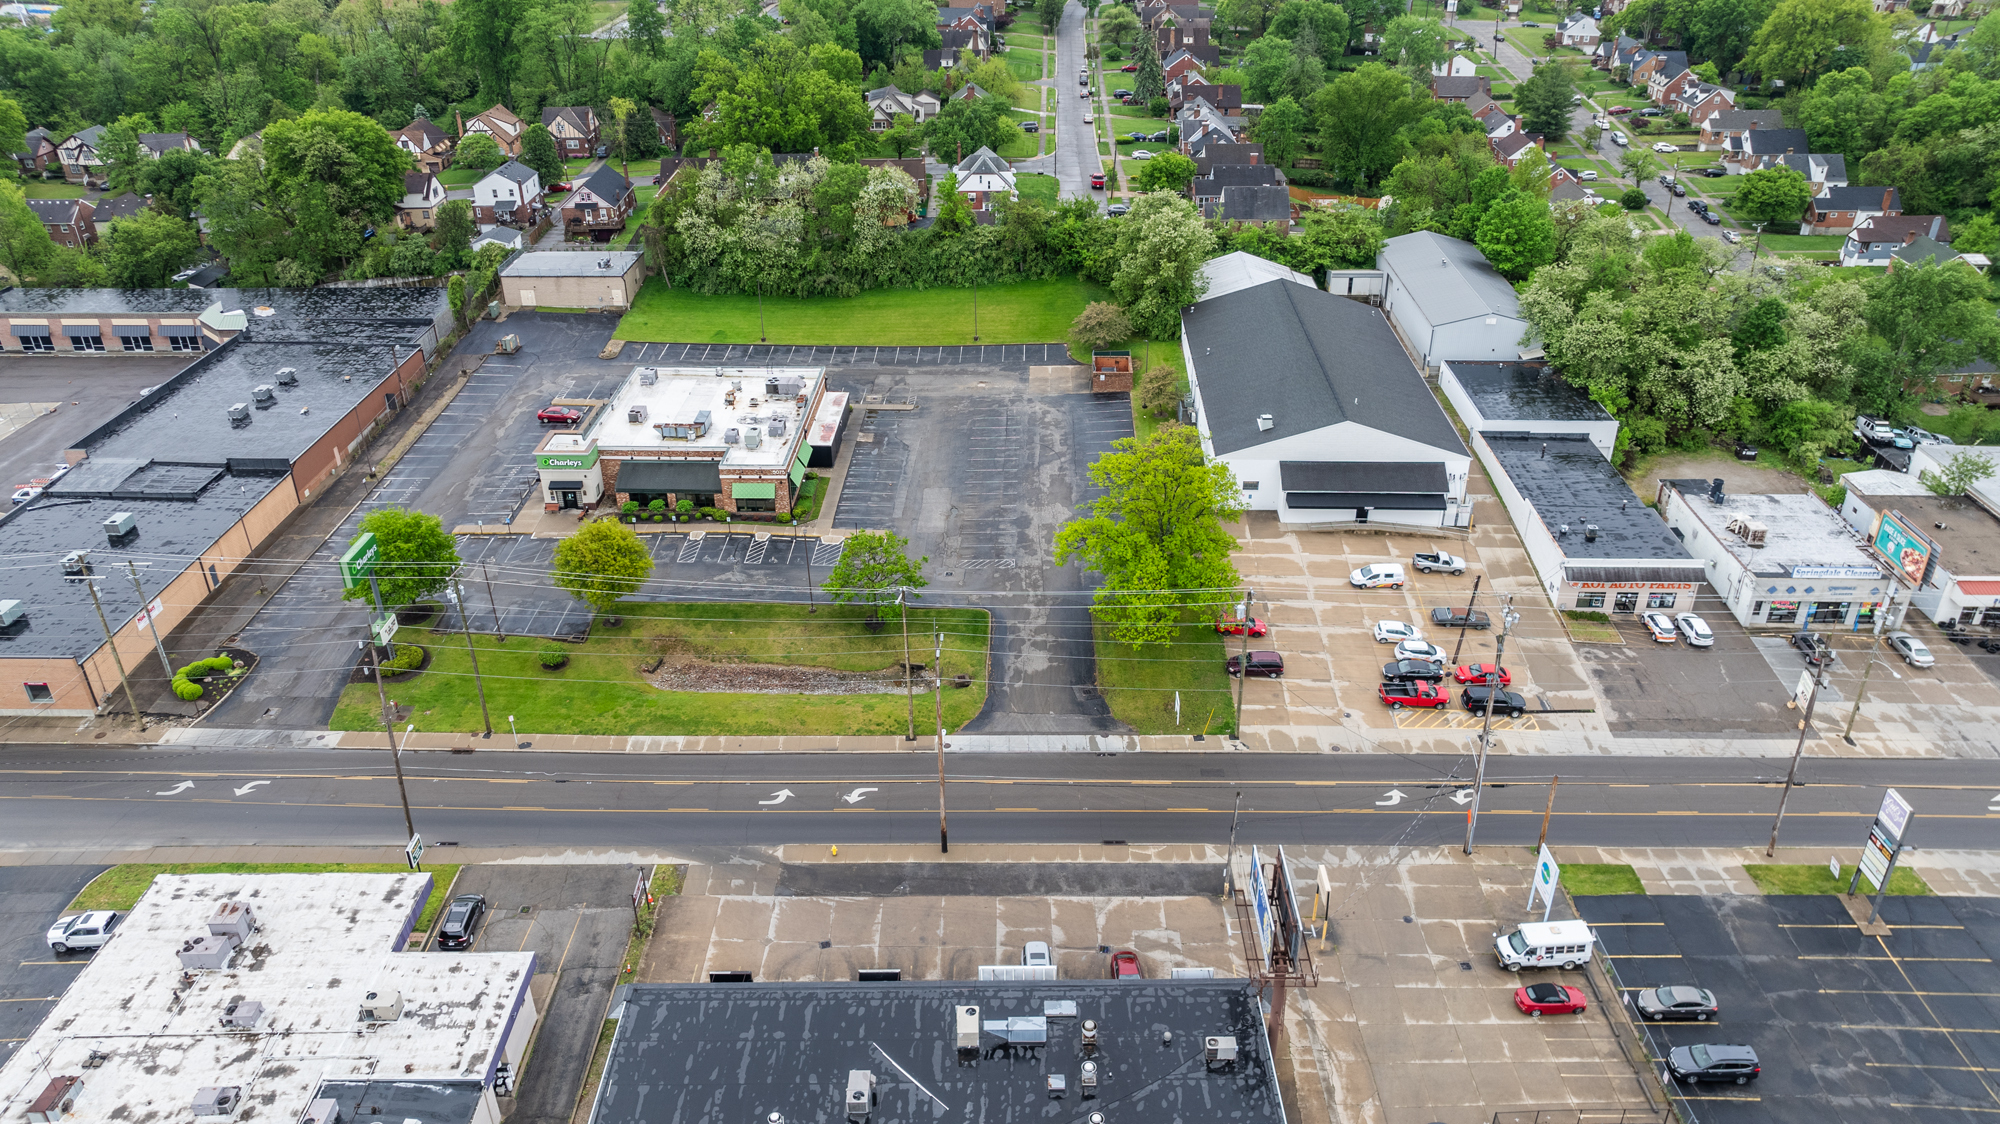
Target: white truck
{"type": "Point", "coordinates": [1545, 944]}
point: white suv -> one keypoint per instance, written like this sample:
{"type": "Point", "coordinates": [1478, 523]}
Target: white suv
{"type": "Point", "coordinates": [85, 930]}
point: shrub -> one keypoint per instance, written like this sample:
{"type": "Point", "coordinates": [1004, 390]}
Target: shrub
{"type": "Point", "coordinates": [1113, 54]}
{"type": "Point", "coordinates": [629, 507]}
{"type": "Point", "coordinates": [1307, 177]}
{"type": "Point", "coordinates": [684, 507]}
{"type": "Point", "coordinates": [1160, 391]}
{"type": "Point", "coordinates": [1587, 615]}
{"type": "Point", "coordinates": [657, 506]}
{"type": "Point", "coordinates": [201, 668]}
{"type": "Point", "coordinates": [1158, 107]}
{"type": "Point", "coordinates": [186, 691]}
{"type": "Point", "coordinates": [552, 655]}
{"type": "Point", "coordinates": [1633, 199]}
{"type": "Point", "coordinates": [1098, 326]}
{"type": "Point", "coordinates": [407, 657]}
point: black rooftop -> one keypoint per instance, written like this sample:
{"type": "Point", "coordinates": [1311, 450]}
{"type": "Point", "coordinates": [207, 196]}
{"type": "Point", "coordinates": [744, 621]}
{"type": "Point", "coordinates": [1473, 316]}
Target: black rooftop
{"type": "Point", "coordinates": [322, 313]}
{"type": "Point", "coordinates": [383, 1101]}
{"type": "Point", "coordinates": [1571, 483]}
{"type": "Point", "coordinates": [732, 1053]}
{"type": "Point", "coordinates": [1526, 392]}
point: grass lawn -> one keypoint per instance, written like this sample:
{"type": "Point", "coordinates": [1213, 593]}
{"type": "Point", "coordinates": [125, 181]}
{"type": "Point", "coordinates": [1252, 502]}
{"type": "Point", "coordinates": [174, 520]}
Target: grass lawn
{"type": "Point", "coordinates": [603, 12]}
{"type": "Point", "coordinates": [642, 199]}
{"type": "Point", "coordinates": [53, 190]}
{"type": "Point", "coordinates": [1028, 312]}
{"type": "Point", "coordinates": [120, 887]}
{"type": "Point", "coordinates": [1588, 631]}
{"type": "Point", "coordinates": [1814, 879]}
{"type": "Point", "coordinates": [640, 169]}
{"type": "Point", "coordinates": [1139, 683]}
{"type": "Point", "coordinates": [1600, 878]}
{"type": "Point", "coordinates": [1026, 63]}
{"type": "Point", "coordinates": [1034, 186]}
{"type": "Point", "coordinates": [1818, 243]}
{"type": "Point", "coordinates": [459, 177]}
{"type": "Point", "coordinates": [607, 694]}
{"type": "Point", "coordinates": [1020, 146]}
{"type": "Point", "coordinates": [573, 168]}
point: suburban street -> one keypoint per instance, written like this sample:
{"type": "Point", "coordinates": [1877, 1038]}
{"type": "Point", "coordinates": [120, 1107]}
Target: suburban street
{"type": "Point", "coordinates": [109, 797]}
{"type": "Point", "coordinates": [1076, 144]}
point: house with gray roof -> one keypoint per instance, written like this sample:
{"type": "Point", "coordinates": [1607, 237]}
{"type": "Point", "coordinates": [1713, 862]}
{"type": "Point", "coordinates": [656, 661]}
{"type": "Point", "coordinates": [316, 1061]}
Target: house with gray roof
{"type": "Point", "coordinates": [1447, 301]}
{"type": "Point", "coordinates": [1261, 204]}
{"type": "Point", "coordinates": [511, 193]}
{"type": "Point", "coordinates": [1318, 411]}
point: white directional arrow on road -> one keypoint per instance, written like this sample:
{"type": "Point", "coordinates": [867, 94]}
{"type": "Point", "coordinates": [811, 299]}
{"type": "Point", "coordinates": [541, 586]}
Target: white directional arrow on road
{"type": "Point", "coordinates": [1395, 797]}
{"type": "Point", "coordinates": [248, 787]}
{"type": "Point", "coordinates": [181, 787]}
{"type": "Point", "coordinates": [1994, 804]}
{"type": "Point", "coordinates": [856, 796]}
{"type": "Point", "coordinates": [1462, 796]}
{"type": "Point", "coordinates": [778, 797]}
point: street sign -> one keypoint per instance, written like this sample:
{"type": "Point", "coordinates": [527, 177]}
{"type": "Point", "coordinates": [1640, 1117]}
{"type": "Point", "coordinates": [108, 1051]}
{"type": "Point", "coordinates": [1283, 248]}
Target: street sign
{"type": "Point", "coordinates": [414, 850]}
{"type": "Point", "coordinates": [1894, 813]}
{"type": "Point", "coordinates": [149, 612]}
{"type": "Point", "coordinates": [1547, 873]}
{"type": "Point", "coordinates": [359, 561]}
{"type": "Point", "coordinates": [1833, 866]}
{"type": "Point", "coordinates": [1876, 856]}
{"type": "Point", "coordinates": [384, 629]}
{"type": "Point", "coordinates": [1802, 694]}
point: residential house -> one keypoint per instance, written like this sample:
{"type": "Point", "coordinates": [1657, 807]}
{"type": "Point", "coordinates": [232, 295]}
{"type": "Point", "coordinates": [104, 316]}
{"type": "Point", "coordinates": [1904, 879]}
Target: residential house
{"type": "Point", "coordinates": [1498, 123]}
{"type": "Point", "coordinates": [1254, 204]}
{"type": "Point", "coordinates": [976, 17]}
{"type": "Point", "coordinates": [1821, 170]}
{"type": "Point", "coordinates": [668, 129]}
{"type": "Point", "coordinates": [104, 212]}
{"type": "Point", "coordinates": [1208, 189]}
{"type": "Point", "coordinates": [888, 102]}
{"type": "Point", "coordinates": [70, 222]}
{"type": "Point", "coordinates": [1887, 6]}
{"type": "Point", "coordinates": [915, 167]}
{"type": "Point", "coordinates": [1700, 99]}
{"type": "Point", "coordinates": [1458, 67]}
{"type": "Point", "coordinates": [1579, 30]}
{"type": "Point", "coordinates": [984, 177]}
{"type": "Point", "coordinates": [575, 129]}
{"type": "Point", "coordinates": [1842, 209]}
{"type": "Point", "coordinates": [1947, 9]}
{"type": "Point", "coordinates": [1181, 64]}
{"type": "Point", "coordinates": [1462, 89]}
{"type": "Point", "coordinates": [37, 153]}
{"type": "Point", "coordinates": [422, 196]}
{"type": "Point", "coordinates": [1718, 129]}
{"type": "Point", "coordinates": [249, 145]}
{"type": "Point", "coordinates": [971, 91]}
{"type": "Point", "coordinates": [1201, 122]}
{"type": "Point", "coordinates": [511, 193]}
{"type": "Point", "coordinates": [1228, 99]}
{"type": "Point", "coordinates": [1920, 249]}
{"type": "Point", "coordinates": [1509, 149]}
{"type": "Point", "coordinates": [154, 145]}
{"type": "Point", "coordinates": [78, 155]}
{"type": "Point", "coordinates": [506, 237]}
{"type": "Point", "coordinates": [1874, 239]}
{"type": "Point", "coordinates": [1746, 154]}
{"type": "Point", "coordinates": [1656, 69]}
{"type": "Point", "coordinates": [1448, 302]}
{"type": "Point", "coordinates": [1483, 107]}
{"type": "Point", "coordinates": [426, 143]}
{"type": "Point", "coordinates": [1622, 50]}
{"type": "Point", "coordinates": [498, 123]}
{"type": "Point", "coordinates": [598, 206]}
{"type": "Point", "coordinates": [1217, 152]}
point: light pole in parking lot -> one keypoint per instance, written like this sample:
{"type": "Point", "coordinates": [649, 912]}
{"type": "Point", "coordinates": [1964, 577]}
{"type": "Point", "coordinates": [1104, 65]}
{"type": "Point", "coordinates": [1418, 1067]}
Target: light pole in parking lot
{"type": "Point", "coordinates": [1507, 618]}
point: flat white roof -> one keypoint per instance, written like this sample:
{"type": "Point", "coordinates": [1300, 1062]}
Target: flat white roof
{"type": "Point", "coordinates": [1800, 531]}
{"type": "Point", "coordinates": [566, 443]}
{"type": "Point", "coordinates": [572, 263]}
{"type": "Point", "coordinates": [323, 942]}
{"type": "Point", "coordinates": [681, 394]}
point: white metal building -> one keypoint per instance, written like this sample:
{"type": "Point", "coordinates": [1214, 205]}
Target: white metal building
{"type": "Point", "coordinates": [1234, 272]}
{"type": "Point", "coordinates": [1448, 302]}
{"type": "Point", "coordinates": [1786, 561]}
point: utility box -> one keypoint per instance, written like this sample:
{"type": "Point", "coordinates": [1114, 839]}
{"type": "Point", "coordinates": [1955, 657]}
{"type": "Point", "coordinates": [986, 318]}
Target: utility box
{"type": "Point", "coordinates": [968, 1027]}
{"type": "Point", "coordinates": [233, 919]}
{"type": "Point", "coordinates": [56, 1100]}
{"type": "Point", "coordinates": [508, 345]}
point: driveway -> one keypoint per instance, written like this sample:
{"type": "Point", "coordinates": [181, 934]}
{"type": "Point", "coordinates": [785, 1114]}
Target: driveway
{"type": "Point", "coordinates": [31, 977]}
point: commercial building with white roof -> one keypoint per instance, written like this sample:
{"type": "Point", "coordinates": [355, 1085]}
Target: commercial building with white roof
{"type": "Point", "coordinates": [1448, 302]}
{"type": "Point", "coordinates": [267, 996]}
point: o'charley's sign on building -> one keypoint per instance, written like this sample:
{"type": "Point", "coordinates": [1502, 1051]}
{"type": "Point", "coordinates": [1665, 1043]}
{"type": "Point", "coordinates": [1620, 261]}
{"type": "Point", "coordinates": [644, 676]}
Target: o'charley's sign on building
{"type": "Point", "coordinates": [566, 460]}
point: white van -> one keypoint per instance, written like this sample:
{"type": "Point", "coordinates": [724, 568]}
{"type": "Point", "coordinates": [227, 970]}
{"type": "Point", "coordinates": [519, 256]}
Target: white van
{"type": "Point", "coordinates": [1545, 944]}
{"type": "Point", "coordinates": [1377, 575]}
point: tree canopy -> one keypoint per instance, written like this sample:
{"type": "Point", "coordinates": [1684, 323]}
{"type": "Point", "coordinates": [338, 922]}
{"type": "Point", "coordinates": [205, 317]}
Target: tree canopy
{"type": "Point", "coordinates": [601, 563]}
{"type": "Point", "coordinates": [414, 557]}
{"type": "Point", "coordinates": [874, 568]}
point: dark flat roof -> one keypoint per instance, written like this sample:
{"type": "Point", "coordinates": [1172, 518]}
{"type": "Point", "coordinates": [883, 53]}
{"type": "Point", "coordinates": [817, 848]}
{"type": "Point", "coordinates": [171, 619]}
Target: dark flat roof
{"type": "Point", "coordinates": [293, 309]}
{"type": "Point", "coordinates": [731, 1053]}
{"type": "Point", "coordinates": [1525, 392]}
{"type": "Point", "coordinates": [1574, 484]}
{"type": "Point", "coordinates": [383, 1101]}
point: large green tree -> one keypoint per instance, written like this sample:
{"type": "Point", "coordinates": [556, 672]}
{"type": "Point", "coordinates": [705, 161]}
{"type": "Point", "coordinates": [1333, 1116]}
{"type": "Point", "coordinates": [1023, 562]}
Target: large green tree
{"type": "Point", "coordinates": [1544, 100]}
{"type": "Point", "coordinates": [477, 152]}
{"type": "Point", "coordinates": [1281, 130]}
{"type": "Point", "coordinates": [1799, 39]}
{"type": "Point", "coordinates": [1161, 245]}
{"type": "Point", "coordinates": [1361, 116]}
{"type": "Point", "coordinates": [776, 98]}
{"type": "Point", "coordinates": [1772, 195]}
{"type": "Point", "coordinates": [1326, 23]}
{"type": "Point", "coordinates": [1166, 171]}
{"type": "Point", "coordinates": [874, 568]}
{"type": "Point", "coordinates": [147, 249]}
{"type": "Point", "coordinates": [1925, 320]}
{"type": "Point", "coordinates": [454, 232]}
{"type": "Point", "coordinates": [172, 180]}
{"type": "Point", "coordinates": [602, 562]}
{"type": "Point", "coordinates": [1149, 81]}
{"type": "Point", "coordinates": [539, 152]}
{"type": "Point", "coordinates": [1118, 27]}
{"type": "Point", "coordinates": [414, 558]}
{"type": "Point", "coordinates": [1276, 68]}
{"type": "Point", "coordinates": [1517, 235]}
{"type": "Point", "coordinates": [1156, 533]}
{"type": "Point", "coordinates": [1414, 44]}
{"type": "Point", "coordinates": [966, 125]}
{"type": "Point", "coordinates": [119, 149]}
{"type": "Point", "coordinates": [348, 156]}
{"type": "Point", "coordinates": [24, 241]}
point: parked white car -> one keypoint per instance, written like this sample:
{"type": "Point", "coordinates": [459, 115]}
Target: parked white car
{"type": "Point", "coordinates": [1377, 575]}
{"type": "Point", "coordinates": [84, 930]}
{"type": "Point", "coordinates": [1419, 650]}
{"type": "Point", "coordinates": [1141, 154]}
{"type": "Point", "coordinates": [1663, 146]}
{"type": "Point", "coordinates": [1395, 632]}
{"type": "Point", "coordinates": [1587, 176]}
{"type": "Point", "coordinates": [1619, 140]}
{"type": "Point", "coordinates": [1036, 954]}
{"type": "Point", "coordinates": [1695, 630]}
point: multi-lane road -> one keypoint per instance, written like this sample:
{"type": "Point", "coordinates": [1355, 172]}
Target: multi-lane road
{"type": "Point", "coordinates": [84, 798]}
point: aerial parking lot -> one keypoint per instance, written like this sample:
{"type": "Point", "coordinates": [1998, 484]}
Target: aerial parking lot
{"type": "Point", "coordinates": [1847, 1027]}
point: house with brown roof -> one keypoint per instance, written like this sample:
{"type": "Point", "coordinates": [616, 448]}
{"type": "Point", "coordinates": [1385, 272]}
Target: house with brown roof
{"type": "Point", "coordinates": [669, 130]}
{"type": "Point", "coordinates": [1461, 89]}
{"type": "Point", "coordinates": [426, 143]}
{"type": "Point", "coordinates": [70, 222]}
{"type": "Point", "coordinates": [498, 123]}
{"type": "Point", "coordinates": [37, 153]}
{"type": "Point", "coordinates": [1510, 148]}
{"type": "Point", "coordinates": [575, 128]}
{"type": "Point", "coordinates": [422, 196]}
{"type": "Point", "coordinates": [1842, 209]}
{"type": "Point", "coordinates": [1874, 241]}
{"type": "Point", "coordinates": [1181, 64]}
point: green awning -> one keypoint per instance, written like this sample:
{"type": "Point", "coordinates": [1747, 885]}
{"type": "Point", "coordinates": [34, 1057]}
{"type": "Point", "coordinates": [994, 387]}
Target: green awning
{"type": "Point", "coordinates": [749, 491]}
{"type": "Point", "coordinates": [798, 472]}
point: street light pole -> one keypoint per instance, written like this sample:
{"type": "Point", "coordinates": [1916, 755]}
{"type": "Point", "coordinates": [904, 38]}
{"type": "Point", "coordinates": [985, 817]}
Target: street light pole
{"type": "Point", "coordinates": [1791, 776]}
{"type": "Point", "coordinates": [1507, 618]}
{"type": "Point", "coordinates": [466, 623]}
{"type": "Point", "coordinates": [909, 686]}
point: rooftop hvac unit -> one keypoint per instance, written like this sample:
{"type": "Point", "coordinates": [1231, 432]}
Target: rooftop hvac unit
{"type": "Point", "coordinates": [11, 611]}
{"type": "Point", "coordinates": [1020, 1030]}
{"type": "Point", "coordinates": [636, 414]}
{"type": "Point", "coordinates": [1749, 530]}
{"type": "Point", "coordinates": [76, 564]}
{"type": "Point", "coordinates": [217, 1100]}
{"type": "Point", "coordinates": [732, 436]}
{"type": "Point", "coordinates": [242, 1014]}
{"type": "Point", "coordinates": [381, 1005]}
{"type": "Point", "coordinates": [753, 437]}
{"type": "Point", "coordinates": [1590, 532]}
{"type": "Point", "coordinates": [777, 427]}
{"type": "Point", "coordinates": [1221, 1048]}
{"type": "Point", "coordinates": [239, 412]}
{"type": "Point", "coordinates": [120, 523]}
{"type": "Point", "coordinates": [264, 392]}
{"type": "Point", "coordinates": [207, 951]}
{"type": "Point", "coordinates": [288, 376]}
{"type": "Point", "coordinates": [1265, 422]}
{"type": "Point", "coordinates": [326, 1110]}
{"type": "Point", "coordinates": [788, 388]}
{"type": "Point", "coordinates": [968, 1027]}
{"type": "Point", "coordinates": [1058, 1008]}
{"type": "Point", "coordinates": [649, 376]}
{"type": "Point", "coordinates": [860, 1100]}
{"type": "Point", "coordinates": [233, 919]}
{"type": "Point", "coordinates": [56, 1100]}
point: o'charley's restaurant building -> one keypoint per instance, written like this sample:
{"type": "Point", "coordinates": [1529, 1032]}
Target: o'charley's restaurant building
{"type": "Point", "coordinates": [738, 439]}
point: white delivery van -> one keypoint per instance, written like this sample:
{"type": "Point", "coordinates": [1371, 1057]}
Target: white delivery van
{"type": "Point", "coordinates": [1545, 944]}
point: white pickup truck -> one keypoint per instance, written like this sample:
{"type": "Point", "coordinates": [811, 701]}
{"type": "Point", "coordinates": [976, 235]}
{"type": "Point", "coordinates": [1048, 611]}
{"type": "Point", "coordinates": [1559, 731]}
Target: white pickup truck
{"type": "Point", "coordinates": [1438, 560]}
{"type": "Point", "coordinates": [85, 930]}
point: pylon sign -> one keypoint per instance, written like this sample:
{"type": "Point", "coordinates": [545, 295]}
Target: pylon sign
{"type": "Point", "coordinates": [359, 561]}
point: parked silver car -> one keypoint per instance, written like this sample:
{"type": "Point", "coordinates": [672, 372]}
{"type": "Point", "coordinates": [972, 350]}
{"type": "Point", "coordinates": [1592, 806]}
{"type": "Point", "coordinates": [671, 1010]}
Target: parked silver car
{"type": "Point", "coordinates": [1913, 650]}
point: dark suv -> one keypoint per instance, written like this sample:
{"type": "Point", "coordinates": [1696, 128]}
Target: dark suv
{"type": "Point", "coordinates": [461, 921]}
{"type": "Point", "coordinates": [1509, 703]}
{"type": "Point", "coordinates": [1814, 647]}
{"type": "Point", "coordinates": [1714, 1063]}
{"type": "Point", "coordinates": [1267, 665]}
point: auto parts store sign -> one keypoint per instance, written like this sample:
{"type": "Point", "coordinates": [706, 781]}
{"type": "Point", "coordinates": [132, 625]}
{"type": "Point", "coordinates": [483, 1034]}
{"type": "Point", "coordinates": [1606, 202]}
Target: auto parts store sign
{"type": "Point", "coordinates": [566, 460]}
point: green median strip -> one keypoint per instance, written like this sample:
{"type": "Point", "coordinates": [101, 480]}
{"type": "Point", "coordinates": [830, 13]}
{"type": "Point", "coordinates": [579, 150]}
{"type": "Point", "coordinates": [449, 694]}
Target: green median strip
{"type": "Point", "coordinates": [1817, 879]}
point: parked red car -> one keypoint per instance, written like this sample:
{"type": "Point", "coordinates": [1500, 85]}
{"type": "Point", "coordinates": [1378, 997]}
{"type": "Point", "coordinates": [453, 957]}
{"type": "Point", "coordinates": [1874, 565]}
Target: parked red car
{"type": "Point", "coordinates": [1097, 182]}
{"type": "Point", "coordinates": [1550, 999]}
{"type": "Point", "coordinates": [1412, 692]}
{"type": "Point", "coordinates": [1235, 628]}
{"type": "Point", "coordinates": [560, 415]}
{"type": "Point", "coordinates": [1477, 673]}
{"type": "Point", "coordinates": [1129, 68]}
{"type": "Point", "coordinates": [558, 188]}
{"type": "Point", "coordinates": [1125, 965]}
{"type": "Point", "coordinates": [1618, 110]}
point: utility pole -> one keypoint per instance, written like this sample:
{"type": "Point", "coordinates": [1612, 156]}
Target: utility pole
{"type": "Point", "coordinates": [1507, 618]}
{"type": "Point", "coordinates": [944, 833]}
{"type": "Point", "coordinates": [975, 310]}
{"type": "Point", "coordinates": [497, 630]}
{"type": "Point", "coordinates": [812, 601]}
{"type": "Point", "coordinates": [1546, 813]}
{"type": "Point", "coordinates": [1242, 664]}
{"type": "Point", "coordinates": [90, 583]}
{"type": "Point", "coordinates": [1791, 776]}
{"type": "Point", "coordinates": [909, 685]}
{"type": "Point", "coordinates": [389, 724]}
{"type": "Point", "coordinates": [1882, 612]}
{"type": "Point", "coordinates": [145, 607]}
{"type": "Point", "coordinates": [1229, 866]}
{"type": "Point", "coordinates": [466, 623]}
{"type": "Point", "coordinates": [1470, 598]}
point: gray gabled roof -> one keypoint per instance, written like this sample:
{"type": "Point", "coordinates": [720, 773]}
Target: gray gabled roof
{"type": "Point", "coordinates": [984, 162]}
{"type": "Point", "coordinates": [1922, 249]}
{"type": "Point", "coordinates": [1776, 142]}
{"type": "Point", "coordinates": [1251, 203]}
{"type": "Point", "coordinates": [606, 183]}
{"type": "Point", "coordinates": [1310, 360]}
{"type": "Point", "coordinates": [513, 170]}
{"type": "Point", "coordinates": [1450, 280]}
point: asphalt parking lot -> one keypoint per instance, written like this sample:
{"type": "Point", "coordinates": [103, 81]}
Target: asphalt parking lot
{"type": "Point", "coordinates": [32, 978]}
{"type": "Point", "coordinates": [1847, 1027]}
{"type": "Point", "coordinates": [86, 392]}
{"type": "Point", "coordinates": [1673, 690]}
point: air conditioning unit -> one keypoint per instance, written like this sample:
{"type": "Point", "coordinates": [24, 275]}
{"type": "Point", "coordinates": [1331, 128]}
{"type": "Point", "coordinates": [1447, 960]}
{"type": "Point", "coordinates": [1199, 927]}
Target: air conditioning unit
{"type": "Point", "coordinates": [56, 1100]}
{"type": "Point", "coordinates": [239, 412]}
{"type": "Point", "coordinates": [1221, 1048]}
{"type": "Point", "coordinates": [382, 1005]}
{"type": "Point", "coordinates": [217, 1100]}
{"type": "Point", "coordinates": [264, 392]}
{"type": "Point", "coordinates": [11, 611]}
{"type": "Point", "coordinates": [860, 1099]}
{"type": "Point", "coordinates": [636, 414]}
{"type": "Point", "coordinates": [753, 437]}
{"type": "Point", "coordinates": [233, 919]}
{"type": "Point", "coordinates": [242, 1014]}
{"type": "Point", "coordinates": [288, 376]}
{"type": "Point", "coordinates": [76, 564]}
{"type": "Point", "coordinates": [120, 523]}
{"type": "Point", "coordinates": [325, 1110]}
{"type": "Point", "coordinates": [777, 427]}
{"type": "Point", "coordinates": [649, 376]}
{"type": "Point", "coordinates": [732, 436]}
{"type": "Point", "coordinates": [209, 951]}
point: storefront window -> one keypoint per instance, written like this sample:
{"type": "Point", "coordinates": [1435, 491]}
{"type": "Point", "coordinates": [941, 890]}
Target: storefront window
{"type": "Point", "coordinates": [1590, 601]}
{"type": "Point", "coordinates": [1783, 612]}
{"type": "Point", "coordinates": [1625, 603]}
{"type": "Point", "coordinates": [1756, 609]}
{"type": "Point", "coordinates": [1829, 612]}
{"type": "Point", "coordinates": [1990, 617]}
{"type": "Point", "coordinates": [1866, 616]}
{"type": "Point", "coordinates": [1661, 600]}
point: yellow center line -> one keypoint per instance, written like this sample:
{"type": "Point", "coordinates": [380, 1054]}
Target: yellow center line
{"type": "Point", "coordinates": [1909, 959]}
{"type": "Point", "coordinates": [1914, 1065]}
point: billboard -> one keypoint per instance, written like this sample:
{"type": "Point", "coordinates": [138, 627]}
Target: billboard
{"type": "Point", "coordinates": [1260, 905]}
{"type": "Point", "coordinates": [1903, 547]}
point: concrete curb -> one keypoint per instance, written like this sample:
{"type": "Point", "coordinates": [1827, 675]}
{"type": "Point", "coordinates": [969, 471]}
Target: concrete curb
{"type": "Point", "coordinates": [504, 741]}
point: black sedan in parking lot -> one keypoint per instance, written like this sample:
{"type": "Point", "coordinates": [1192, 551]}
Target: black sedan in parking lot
{"type": "Point", "coordinates": [1714, 1063]}
{"type": "Point", "coordinates": [461, 921]}
{"type": "Point", "coordinates": [1509, 703]}
{"type": "Point", "coordinates": [1662, 1003]}
{"type": "Point", "coordinates": [1406, 670]}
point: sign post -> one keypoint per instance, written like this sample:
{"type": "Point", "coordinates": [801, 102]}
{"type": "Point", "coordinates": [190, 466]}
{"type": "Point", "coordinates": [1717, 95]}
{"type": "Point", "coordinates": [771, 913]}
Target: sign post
{"type": "Point", "coordinates": [414, 851]}
{"type": "Point", "coordinates": [1883, 849]}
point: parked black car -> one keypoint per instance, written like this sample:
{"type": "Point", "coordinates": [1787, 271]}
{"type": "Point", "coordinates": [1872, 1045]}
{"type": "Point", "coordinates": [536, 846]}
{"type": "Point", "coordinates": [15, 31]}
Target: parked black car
{"type": "Point", "coordinates": [1697, 206]}
{"type": "Point", "coordinates": [1265, 665]}
{"type": "Point", "coordinates": [1406, 670]}
{"type": "Point", "coordinates": [1461, 618]}
{"type": "Point", "coordinates": [1714, 1063]}
{"type": "Point", "coordinates": [1509, 703]}
{"type": "Point", "coordinates": [1817, 651]}
{"type": "Point", "coordinates": [461, 921]}
{"type": "Point", "coordinates": [1660, 1003]}
{"type": "Point", "coordinates": [1711, 218]}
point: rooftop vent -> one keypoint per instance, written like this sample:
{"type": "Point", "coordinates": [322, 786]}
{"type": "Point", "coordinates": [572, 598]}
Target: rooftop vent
{"type": "Point", "coordinates": [96, 1060]}
{"type": "Point", "coordinates": [860, 1100]}
{"type": "Point", "coordinates": [120, 523]}
{"type": "Point", "coordinates": [239, 413]}
{"type": "Point", "coordinates": [235, 919]}
{"type": "Point", "coordinates": [288, 376]}
{"type": "Point", "coordinates": [1715, 490]}
{"type": "Point", "coordinates": [209, 951]}
{"type": "Point", "coordinates": [1749, 530]}
{"type": "Point", "coordinates": [1089, 1078]}
{"type": "Point", "coordinates": [242, 1014]}
{"type": "Point", "coordinates": [1265, 422]}
{"type": "Point", "coordinates": [217, 1100]}
{"type": "Point", "coordinates": [76, 564]}
{"type": "Point", "coordinates": [264, 392]}
{"type": "Point", "coordinates": [56, 1101]}
{"type": "Point", "coordinates": [1590, 532]}
{"type": "Point", "coordinates": [381, 1005]}
{"type": "Point", "coordinates": [1020, 1030]}
{"type": "Point", "coordinates": [1089, 1039]}
{"type": "Point", "coordinates": [11, 611]}
{"type": "Point", "coordinates": [731, 436]}
{"type": "Point", "coordinates": [968, 1027]}
{"type": "Point", "coordinates": [264, 310]}
{"type": "Point", "coordinates": [1094, 1118]}
{"type": "Point", "coordinates": [604, 263]}
{"type": "Point", "coordinates": [326, 1110]}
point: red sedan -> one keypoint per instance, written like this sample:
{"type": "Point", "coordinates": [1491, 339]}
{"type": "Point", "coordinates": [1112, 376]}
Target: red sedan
{"type": "Point", "coordinates": [560, 415]}
{"type": "Point", "coordinates": [1130, 68]}
{"type": "Point", "coordinates": [1125, 965]}
{"type": "Point", "coordinates": [1235, 628]}
{"type": "Point", "coordinates": [1477, 673]}
{"type": "Point", "coordinates": [1618, 110]}
{"type": "Point", "coordinates": [1541, 999]}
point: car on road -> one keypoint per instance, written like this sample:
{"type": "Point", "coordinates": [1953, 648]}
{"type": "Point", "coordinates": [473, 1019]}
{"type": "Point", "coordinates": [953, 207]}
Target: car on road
{"type": "Point", "coordinates": [1088, 119]}
{"type": "Point", "coordinates": [1914, 651]}
{"type": "Point", "coordinates": [1035, 954]}
{"type": "Point", "coordinates": [1429, 671]}
{"type": "Point", "coordinates": [1419, 650]}
{"type": "Point", "coordinates": [1125, 965]}
{"type": "Point", "coordinates": [1541, 999]}
{"type": "Point", "coordinates": [1619, 140]}
{"type": "Point", "coordinates": [1141, 154]}
{"type": "Point", "coordinates": [1399, 693]}
{"type": "Point", "coordinates": [461, 921]}
{"type": "Point", "coordinates": [559, 415]}
{"type": "Point", "coordinates": [1097, 181]}
{"type": "Point", "coordinates": [1661, 626]}
{"type": "Point", "coordinates": [1375, 575]}
{"type": "Point", "coordinates": [1395, 632]}
{"type": "Point", "coordinates": [1697, 205]}
{"type": "Point", "coordinates": [1083, 79]}
{"type": "Point", "coordinates": [1129, 68]}
{"type": "Point", "coordinates": [1121, 93]}
{"type": "Point", "coordinates": [1481, 673]}
{"type": "Point", "coordinates": [1437, 560]}
{"type": "Point", "coordinates": [1814, 647]}
{"type": "Point", "coordinates": [1461, 618]}
{"type": "Point", "coordinates": [1676, 190]}
{"type": "Point", "coordinates": [84, 930]}
{"type": "Point", "coordinates": [558, 188]}
{"type": "Point", "coordinates": [1263, 665]}
{"type": "Point", "coordinates": [1711, 218]}
{"type": "Point", "coordinates": [1619, 110]}
{"type": "Point", "coordinates": [1713, 173]}
{"type": "Point", "coordinates": [1529, 23]}
{"type": "Point", "coordinates": [1236, 627]}
{"type": "Point", "coordinates": [1117, 209]}
{"type": "Point", "coordinates": [1713, 1063]}
{"type": "Point", "coordinates": [1663, 146]}
{"type": "Point", "coordinates": [1695, 630]}
{"type": "Point", "coordinates": [1509, 703]}
{"type": "Point", "coordinates": [1652, 111]}
{"type": "Point", "coordinates": [1732, 237]}
{"type": "Point", "coordinates": [603, 150]}
{"type": "Point", "coordinates": [1662, 1003]}
{"type": "Point", "coordinates": [1587, 176]}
